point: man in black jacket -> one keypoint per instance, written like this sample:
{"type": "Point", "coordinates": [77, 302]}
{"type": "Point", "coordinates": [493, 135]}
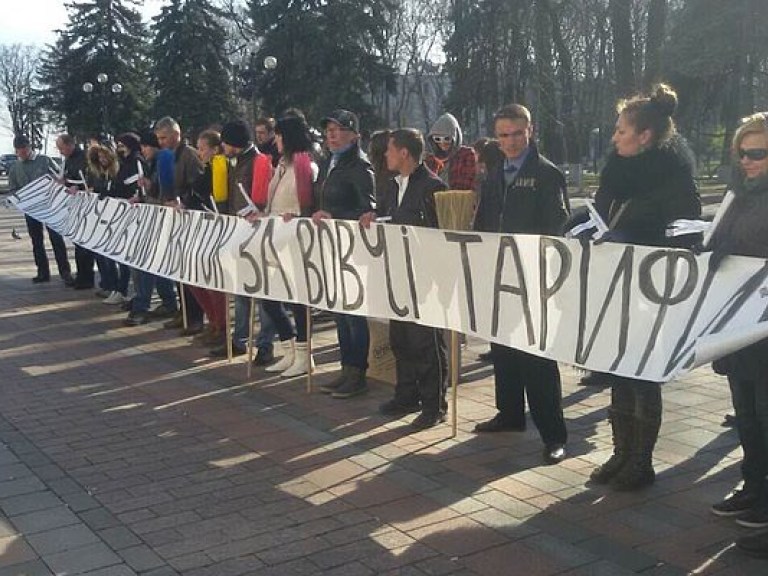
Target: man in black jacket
{"type": "Point", "coordinates": [524, 194]}
{"type": "Point", "coordinates": [74, 172]}
{"type": "Point", "coordinates": [420, 354]}
{"type": "Point", "coordinates": [345, 190]}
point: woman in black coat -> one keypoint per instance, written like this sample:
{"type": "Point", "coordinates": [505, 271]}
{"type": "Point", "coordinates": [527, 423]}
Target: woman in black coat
{"type": "Point", "coordinates": [646, 184]}
{"type": "Point", "coordinates": [743, 231]}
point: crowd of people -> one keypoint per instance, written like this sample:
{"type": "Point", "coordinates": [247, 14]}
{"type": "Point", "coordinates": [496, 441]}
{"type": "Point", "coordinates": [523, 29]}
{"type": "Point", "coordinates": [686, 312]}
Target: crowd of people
{"type": "Point", "coordinates": [647, 182]}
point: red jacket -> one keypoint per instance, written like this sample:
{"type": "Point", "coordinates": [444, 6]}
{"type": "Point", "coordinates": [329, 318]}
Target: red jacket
{"type": "Point", "coordinates": [462, 168]}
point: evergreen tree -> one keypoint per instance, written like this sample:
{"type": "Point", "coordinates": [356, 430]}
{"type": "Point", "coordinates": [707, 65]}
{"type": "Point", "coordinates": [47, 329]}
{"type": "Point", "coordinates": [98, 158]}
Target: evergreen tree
{"type": "Point", "coordinates": [329, 55]}
{"type": "Point", "coordinates": [102, 37]}
{"type": "Point", "coordinates": [190, 69]}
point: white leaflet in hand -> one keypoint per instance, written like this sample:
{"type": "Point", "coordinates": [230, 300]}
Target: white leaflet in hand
{"type": "Point", "coordinates": [594, 221]}
{"type": "Point", "coordinates": [247, 198]}
{"type": "Point", "coordinates": [245, 210]}
{"type": "Point", "coordinates": [602, 228]}
{"type": "Point", "coordinates": [682, 227]}
{"type": "Point", "coordinates": [140, 172]}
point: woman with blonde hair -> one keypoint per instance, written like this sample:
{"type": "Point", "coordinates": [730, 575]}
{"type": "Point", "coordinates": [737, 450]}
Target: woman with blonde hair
{"type": "Point", "coordinates": [103, 166]}
{"type": "Point", "coordinates": [743, 230]}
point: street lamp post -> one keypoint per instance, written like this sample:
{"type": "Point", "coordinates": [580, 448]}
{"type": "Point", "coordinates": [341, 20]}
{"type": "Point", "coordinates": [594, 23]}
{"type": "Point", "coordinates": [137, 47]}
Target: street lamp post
{"type": "Point", "coordinates": [116, 88]}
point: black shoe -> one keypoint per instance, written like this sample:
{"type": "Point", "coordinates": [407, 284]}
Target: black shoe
{"type": "Point", "coordinates": [136, 319]}
{"type": "Point", "coordinates": [354, 385]}
{"type": "Point", "coordinates": [554, 453]}
{"type": "Point", "coordinates": [40, 279]}
{"type": "Point", "coordinates": [486, 356]}
{"type": "Point", "coordinates": [191, 330]}
{"type": "Point", "coordinates": [755, 518]}
{"type": "Point", "coordinates": [737, 503]}
{"type": "Point", "coordinates": [755, 544]}
{"type": "Point", "coordinates": [175, 323]}
{"type": "Point", "coordinates": [162, 311]}
{"type": "Point", "coordinates": [336, 383]}
{"type": "Point", "coordinates": [222, 352]}
{"type": "Point", "coordinates": [264, 357]}
{"type": "Point", "coordinates": [594, 379]}
{"type": "Point", "coordinates": [394, 407]}
{"type": "Point", "coordinates": [427, 420]}
{"type": "Point", "coordinates": [68, 280]}
{"type": "Point", "coordinates": [499, 424]}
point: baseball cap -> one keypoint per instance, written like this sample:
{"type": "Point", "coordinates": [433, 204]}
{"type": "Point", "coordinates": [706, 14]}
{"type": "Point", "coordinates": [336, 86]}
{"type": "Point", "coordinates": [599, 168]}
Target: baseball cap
{"type": "Point", "coordinates": [344, 118]}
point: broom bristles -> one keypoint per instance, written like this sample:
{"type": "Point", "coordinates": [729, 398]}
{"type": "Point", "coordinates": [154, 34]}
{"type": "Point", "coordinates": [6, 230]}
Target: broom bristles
{"type": "Point", "coordinates": [455, 209]}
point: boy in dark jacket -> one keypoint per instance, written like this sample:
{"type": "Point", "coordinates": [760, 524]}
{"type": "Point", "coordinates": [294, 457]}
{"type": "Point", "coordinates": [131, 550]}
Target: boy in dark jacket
{"type": "Point", "coordinates": [420, 355]}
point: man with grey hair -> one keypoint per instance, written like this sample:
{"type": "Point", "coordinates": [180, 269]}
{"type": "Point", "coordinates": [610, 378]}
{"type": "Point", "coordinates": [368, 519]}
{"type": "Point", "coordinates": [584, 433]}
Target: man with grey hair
{"type": "Point", "coordinates": [186, 169]}
{"type": "Point", "coordinates": [31, 166]}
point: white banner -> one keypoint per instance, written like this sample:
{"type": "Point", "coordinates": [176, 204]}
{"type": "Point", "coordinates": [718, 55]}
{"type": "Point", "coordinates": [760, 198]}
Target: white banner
{"type": "Point", "coordinates": [637, 311]}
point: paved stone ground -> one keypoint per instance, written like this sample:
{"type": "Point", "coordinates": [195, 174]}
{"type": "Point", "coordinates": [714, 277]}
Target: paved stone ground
{"type": "Point", "coordinates": [126, 451]}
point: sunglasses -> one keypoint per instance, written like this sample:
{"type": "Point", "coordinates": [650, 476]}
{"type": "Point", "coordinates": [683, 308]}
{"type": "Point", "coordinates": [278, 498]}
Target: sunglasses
{"type": "Point", "coordinates": [442, 139]}
{"type": "Point", "coordinates": [755, 154]}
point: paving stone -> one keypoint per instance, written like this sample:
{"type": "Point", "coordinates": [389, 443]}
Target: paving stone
{"type": "Point", "coordinates": [43, 520]}
{"type": "Point", "coordinates": [119, 537]}
{"type": "Point", "coordinates": [99, 518]}
{"type": "Point", "coordinates": [33, 568]}
{"type": "Point", "coordinates": [619, 554]}
{"type": "Point", "coordinates": [19, 486]}
{"type": "Point", "coordinates": [121, 570]}
{"type": "Point", "coordinates": [61, 539]}
{"type": "Point", "coordinates": [141, 558]}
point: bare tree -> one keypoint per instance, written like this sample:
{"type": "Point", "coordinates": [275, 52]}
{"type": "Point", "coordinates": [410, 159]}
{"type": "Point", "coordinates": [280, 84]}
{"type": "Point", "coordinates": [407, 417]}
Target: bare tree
{"type": "Point", "coordinates": [18, 68]}
{"type": "Point", "coordinates": [623, 48]}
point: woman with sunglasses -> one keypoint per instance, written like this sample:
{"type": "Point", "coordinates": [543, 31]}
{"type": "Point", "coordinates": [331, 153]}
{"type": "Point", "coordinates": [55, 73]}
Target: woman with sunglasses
{"type": "Point", "coordinates": [743, 230]}
{"type": "Point", "coordinates": [647, 183]}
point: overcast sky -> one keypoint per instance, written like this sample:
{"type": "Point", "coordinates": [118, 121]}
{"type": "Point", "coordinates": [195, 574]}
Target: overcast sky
{"type": "Point", "coordinates": [34, 22]}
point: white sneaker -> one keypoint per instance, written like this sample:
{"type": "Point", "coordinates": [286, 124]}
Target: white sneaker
{"type": "Point", "coordinates": [114, 298]}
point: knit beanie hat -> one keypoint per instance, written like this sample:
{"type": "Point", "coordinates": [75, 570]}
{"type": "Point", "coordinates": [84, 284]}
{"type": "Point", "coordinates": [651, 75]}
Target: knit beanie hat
{"type": "Point", "coordinates": [236, 133]}
{"type": "Point", "coordinates": [149, 138]}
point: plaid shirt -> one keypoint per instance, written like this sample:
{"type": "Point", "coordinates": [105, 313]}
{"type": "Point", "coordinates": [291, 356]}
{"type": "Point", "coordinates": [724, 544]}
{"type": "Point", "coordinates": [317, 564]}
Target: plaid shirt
{"type": "Point", "coordinates": [462, 168]}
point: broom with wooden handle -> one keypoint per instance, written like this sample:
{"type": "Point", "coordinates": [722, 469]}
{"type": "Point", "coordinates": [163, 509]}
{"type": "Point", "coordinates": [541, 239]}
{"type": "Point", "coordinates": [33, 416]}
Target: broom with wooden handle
{"type": "Point", "coordinates": [455, 210]}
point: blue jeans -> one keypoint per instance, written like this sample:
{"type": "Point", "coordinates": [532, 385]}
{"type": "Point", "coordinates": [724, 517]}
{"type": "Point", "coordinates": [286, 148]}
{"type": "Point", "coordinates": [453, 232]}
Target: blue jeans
{"type": "Point", "coordinates": [278, 315]}
{"type": "Point", "coordinates": [145, 284]}
{"type": "Point", "coordinates": [114, 277]}
{"type": "Point", "coordinates": [354, 340]}
{"type": "Point", "coordinates": [266, 336]}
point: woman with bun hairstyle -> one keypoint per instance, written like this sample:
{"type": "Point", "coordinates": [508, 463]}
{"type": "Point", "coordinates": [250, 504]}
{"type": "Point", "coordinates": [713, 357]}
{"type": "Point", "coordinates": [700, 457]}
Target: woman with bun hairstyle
{"type": "Point", "coordinates": [646, 184]}
{"type": "Point", "coordinates": [289, 195]}
{"type": "Point", "coordinates": [743, 230]}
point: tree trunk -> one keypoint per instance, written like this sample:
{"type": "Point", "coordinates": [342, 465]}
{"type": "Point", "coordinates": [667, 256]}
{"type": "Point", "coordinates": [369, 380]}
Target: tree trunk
{"type": "Point", "coordinates": [654, 42]}
{"type": "Point", "coordinates": [623, 52]}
